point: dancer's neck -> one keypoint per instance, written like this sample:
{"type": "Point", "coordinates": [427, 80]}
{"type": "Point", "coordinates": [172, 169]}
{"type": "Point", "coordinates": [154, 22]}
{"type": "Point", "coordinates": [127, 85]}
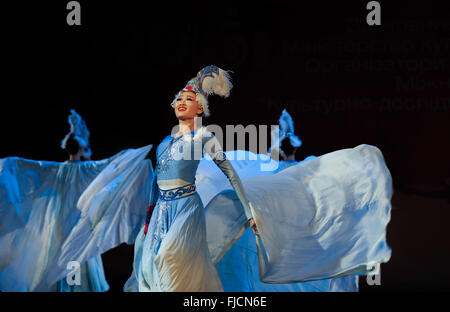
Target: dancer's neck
{"type": "Point", "coordinates": [185, 126]}
{"type": "Point", "coordinates": [74, 157]}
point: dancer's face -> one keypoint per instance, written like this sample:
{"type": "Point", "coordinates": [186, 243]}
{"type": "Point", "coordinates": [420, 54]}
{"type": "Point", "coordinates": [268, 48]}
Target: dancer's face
{"type": "Point", "coordinates": [186, 106]}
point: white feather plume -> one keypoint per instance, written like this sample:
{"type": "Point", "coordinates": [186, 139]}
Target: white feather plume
{"type": "Point", "coordinates": [219, 84]}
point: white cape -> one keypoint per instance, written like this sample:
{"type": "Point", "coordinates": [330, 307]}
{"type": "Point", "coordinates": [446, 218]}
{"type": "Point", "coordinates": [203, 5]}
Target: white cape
{"type": "Point", "coordinates": [38, 209]}
{"type": "Point", "coordinates": [239, 267]}
{"type": "Point", "coordinates": [113, 210]}
{"type": "Point", "coordinates": [323, 218]}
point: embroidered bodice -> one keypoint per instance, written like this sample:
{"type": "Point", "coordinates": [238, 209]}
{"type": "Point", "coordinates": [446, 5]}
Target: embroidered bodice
{"type": "Point", "coordinates": [177, 160]}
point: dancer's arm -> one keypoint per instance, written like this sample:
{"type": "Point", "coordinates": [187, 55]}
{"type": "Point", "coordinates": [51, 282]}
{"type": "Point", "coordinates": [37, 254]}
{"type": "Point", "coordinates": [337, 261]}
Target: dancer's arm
{"type": "Point", "coordinates": [214, 149]}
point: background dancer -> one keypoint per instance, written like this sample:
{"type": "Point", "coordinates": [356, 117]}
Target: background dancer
{"type": "Point", "coordinates": [38, 212]}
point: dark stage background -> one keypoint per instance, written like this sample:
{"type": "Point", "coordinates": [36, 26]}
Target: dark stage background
{"type": "Point", "coordinates": [345, 83]}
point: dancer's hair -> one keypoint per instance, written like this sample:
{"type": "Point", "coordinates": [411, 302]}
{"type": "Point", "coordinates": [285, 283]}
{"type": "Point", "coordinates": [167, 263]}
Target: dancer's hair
{"type": "Point", "coordinates": [72, 146]}
{"type": "Point", "coordinates": [209, 80]}
{"type": "Point", "coordinates": [287, 147]}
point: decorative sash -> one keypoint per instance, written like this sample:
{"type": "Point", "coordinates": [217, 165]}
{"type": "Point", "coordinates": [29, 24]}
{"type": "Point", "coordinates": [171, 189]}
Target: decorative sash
{"type": "Point", "coordinates": [177, 192]}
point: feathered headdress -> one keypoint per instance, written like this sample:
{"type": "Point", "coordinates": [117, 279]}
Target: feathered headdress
{"type": "Point", "coordinates": [80, 131]}
{"type": "Point", "coordinates": [286, 130]}
{"type": "Point", "coordinates": [210, 80]}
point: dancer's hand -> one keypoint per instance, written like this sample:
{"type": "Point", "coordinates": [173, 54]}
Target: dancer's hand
{"type": "Point", "coordinates": [253, 226]}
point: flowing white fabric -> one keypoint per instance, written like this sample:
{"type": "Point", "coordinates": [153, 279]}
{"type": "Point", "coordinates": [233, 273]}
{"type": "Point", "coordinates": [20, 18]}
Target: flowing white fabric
{"type": "Point", "coordinates": [239, 267]}
{"type": "Point", "coordinates": [113, 210]}
{"type": "Point", "coordinates": [239, 272]}
{"type": "Point", "coordinates": [210, 180]}
{"type": "Point", "coordinates": [37, 213]}
{"type": "Point", "coordinates": [323, 218]}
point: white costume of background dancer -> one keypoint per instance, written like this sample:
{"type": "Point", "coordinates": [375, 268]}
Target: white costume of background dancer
{"type": "Point", "coordinates": [38, 209]}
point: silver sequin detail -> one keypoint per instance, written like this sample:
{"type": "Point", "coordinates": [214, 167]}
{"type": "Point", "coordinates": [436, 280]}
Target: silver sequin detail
{"type": "Point", "coordinates": [168, 156]}
{"type": "Point", "coordinates": [161, 225]}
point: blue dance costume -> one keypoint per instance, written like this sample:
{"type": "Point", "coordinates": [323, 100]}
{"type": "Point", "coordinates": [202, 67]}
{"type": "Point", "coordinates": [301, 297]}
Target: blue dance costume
{"type": "Point", "coordinates": [174, 254]}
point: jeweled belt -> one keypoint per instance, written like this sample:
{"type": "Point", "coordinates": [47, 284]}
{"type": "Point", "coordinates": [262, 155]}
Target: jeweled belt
{"type": "Point", "coordinates": [177, 192]}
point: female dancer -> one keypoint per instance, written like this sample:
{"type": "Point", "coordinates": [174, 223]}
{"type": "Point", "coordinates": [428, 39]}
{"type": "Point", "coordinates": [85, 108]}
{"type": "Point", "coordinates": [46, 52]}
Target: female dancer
{"type": "Point", "coordinates": [173, 254]}
{"type": "Point", "coordinates": [92, 275]}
